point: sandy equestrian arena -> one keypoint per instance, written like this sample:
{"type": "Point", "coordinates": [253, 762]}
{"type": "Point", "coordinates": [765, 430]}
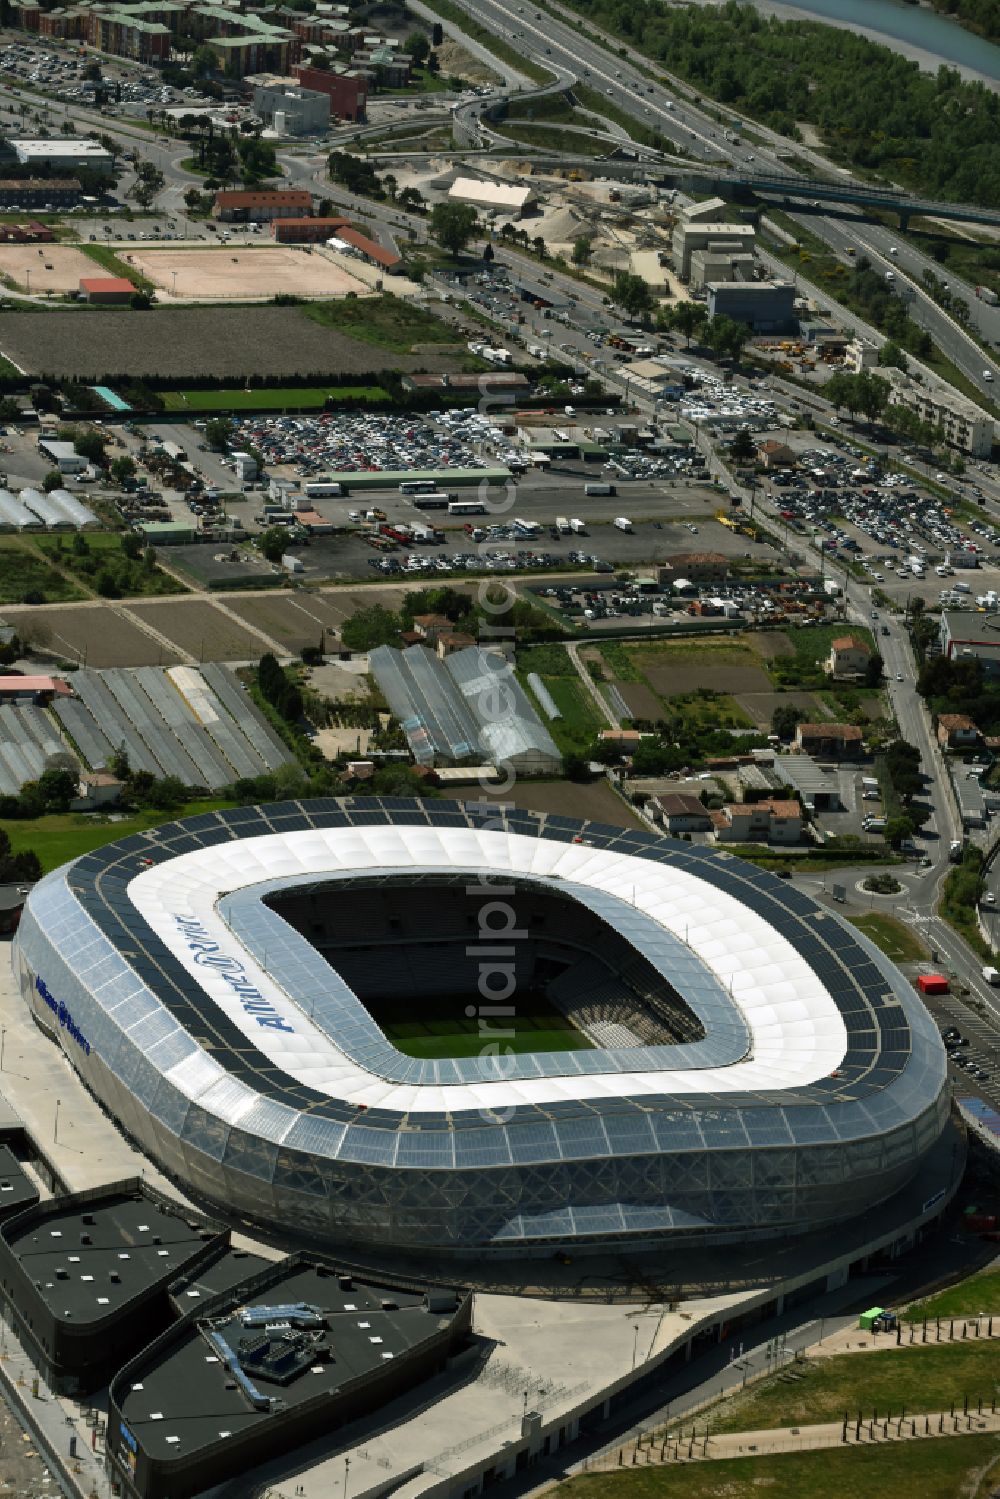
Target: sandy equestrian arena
{"type": "Point", "coordinates": [53, 268]}
{"type": "Point", "coordinates": [241, 272]}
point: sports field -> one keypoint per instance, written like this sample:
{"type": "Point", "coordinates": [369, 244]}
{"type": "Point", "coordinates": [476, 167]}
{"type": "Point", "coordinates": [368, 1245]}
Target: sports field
{"type": "Point", "coordinates": [443, 1028]}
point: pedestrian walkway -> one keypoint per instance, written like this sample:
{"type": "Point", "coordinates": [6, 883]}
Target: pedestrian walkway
{"type": "Point", "coordinates": [70, 1436]}
{"type": "Point", "coordinates": [909, 1335]}
{"type": "Point", "coordinates": [700, 1446]}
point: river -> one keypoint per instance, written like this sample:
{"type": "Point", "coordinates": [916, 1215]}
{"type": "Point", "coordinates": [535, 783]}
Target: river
{"type": "Point", "coordinates": [922, 34]}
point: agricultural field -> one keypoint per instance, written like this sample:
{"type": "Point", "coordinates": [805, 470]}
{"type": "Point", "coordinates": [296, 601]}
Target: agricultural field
{"type": "Point", "coordinates": [96, 634]}
{"type": "Point", "coordinates": [386, 321]}
{"type": "Point", "coordinates": [202, 630]}
{"type": "Point", "coordinates": [26, 574]}
{"type": "Point", "coordinates": [595, 801]}
{"type": "Point", "coordinates": [293, 621]}
{"type": "Point", "coordinates": [270, 398]}
{"type": "Point", "coordinates": [731, 682]}
{"type": "Point", "coordinates": [580, 720]}
{"type": "Point", "coordinates": [224, 343]}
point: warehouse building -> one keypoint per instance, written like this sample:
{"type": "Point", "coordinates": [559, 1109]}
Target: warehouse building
{"type": "Point", "coordinates": [66, 153]}
{"type": "Point", "coordinates": [500, 197]}
{"type": "Point", "coordinates": [738, 239]}
{"type": "Point", "coordinates": [766, 306]}
{"type": "Point", "coordinates": [40, 193]}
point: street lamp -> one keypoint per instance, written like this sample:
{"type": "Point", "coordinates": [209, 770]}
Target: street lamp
{"type": "Point", "coordinates": [55, 1126]}
{"type": "Point", "coordinates": [3, 1043]}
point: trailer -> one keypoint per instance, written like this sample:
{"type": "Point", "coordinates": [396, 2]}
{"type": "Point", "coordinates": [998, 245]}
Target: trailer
{"type": "Point", "coordinates": [323, 489]}
{"type": "Point", "coordinates": [599, 489]}
{"type": "Point", "coordinates": [933, 983]}
{"type": "Point", "coordinates": [562, 525]}
{"type": "Point", "coordinates": [988, 295]}
{"type": "Point", "coordinates": [577, 526]}
{"type": "Point", "coordinates": [622, 523]}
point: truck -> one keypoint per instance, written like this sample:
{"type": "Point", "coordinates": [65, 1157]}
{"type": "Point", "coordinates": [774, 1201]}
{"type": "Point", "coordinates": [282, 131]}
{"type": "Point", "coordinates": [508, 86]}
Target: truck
{"type": "Point", "coordinates": [599, 489]}
{"type": "Point", "coordinates": [955, 850]}
{"type": "Point", "coordinates": [577, 526]}
{"type": "Point", "coordinates": [622, 523]}
{"type": "Point", "coordinates": [562, 525]}
{"type": "Point", "coordinates": [959, 587]}
{"type": "Point", "coordinates": [933, 983]}
{"type": "Point", "coordinates": [323, 489]}
{"type": "Point", "coordinates": [991, 975]}
{"type": "Point", "coordinates": [831, 588]}
{"type": "Point", "coordinates": [869, 788]}
{"type": "Point", "coordinates": [988, 295]}
{"type": "Point", "coordinates": [526, 528]}
{"type": "Point", "coordinates": [292, 564]}
{"type": "Point", "coordinates": [174, 450]}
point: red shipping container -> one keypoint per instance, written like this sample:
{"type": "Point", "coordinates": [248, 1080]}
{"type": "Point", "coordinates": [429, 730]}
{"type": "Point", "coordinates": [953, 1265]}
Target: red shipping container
{"type": "Point", "coordinates": [980, 1222]}
{"type": "Point", "coordinates": [932, 983]}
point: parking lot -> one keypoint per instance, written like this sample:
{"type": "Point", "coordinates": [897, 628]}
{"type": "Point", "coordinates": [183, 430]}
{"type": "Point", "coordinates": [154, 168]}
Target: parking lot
{"type": "Point", "coordinates": [906, 540]}
{"type": "Point", "coordinates": [61, 69]}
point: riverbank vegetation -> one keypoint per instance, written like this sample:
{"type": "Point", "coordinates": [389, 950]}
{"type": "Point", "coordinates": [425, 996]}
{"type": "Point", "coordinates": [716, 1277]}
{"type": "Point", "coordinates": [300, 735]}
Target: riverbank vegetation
{"type": "Point", "coordinates": [875, 110]}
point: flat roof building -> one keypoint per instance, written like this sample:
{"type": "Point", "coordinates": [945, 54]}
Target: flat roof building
{"type": "Point", "coordinates": [288, 109]}
{"type": "Point", "coordinates": [86, 1276]}
{"type": "Point", "coordinates": [765, 306]}
{"type": "Point", "coordinates": [687, 238]}
{"type": "Point", "coordinates": [965, 425]}
{"type": "Point", "coordinates": [504, 197]}
{"type": "Point", "coordinates": [75, 151]}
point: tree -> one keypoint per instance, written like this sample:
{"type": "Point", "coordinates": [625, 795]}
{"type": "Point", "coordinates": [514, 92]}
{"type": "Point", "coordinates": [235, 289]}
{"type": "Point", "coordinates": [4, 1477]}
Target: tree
{"type": "Point", "coordinates": [891, 356]}
{"type": "Point", "coordinates": [633, 294]}
{"type": "Point", "coordinates": [742, 447]}
{"type": "Point", "coordinates": [896, 829]}
{"type": "Point", "coordinates": [488, 254]}
{"type": "Point", "coordinates": [453, 225]}
{"type": "Point", "coordinates": [273, 543]}
{"type": "Point", "coordinates": [53, 480]}
{"type": "Point", "coordinates": [369, 628]}
{"type": "Point", "coordinates": [686, 317]}
{"type": "Point", "coordinates": [90, 445]}
{"type": "Point", "coordinates": [785, 720]}
{"type": "Point", "coordinates": [582, 247]}
{"type": "Point", "coordinates": [418, 47]}
{"type": "Point", "coordinates": [218, 433]}
{"type": "Point", "coordinates": [167, 793]}
{"type": "Point", "coordinates": [57, 789]}
{"type": "Point", "coordinates": [122, 468]}
{"type": "Point", "coordinates": [204, 62]}
{"type": "Point", "coordinates": [118, 764]}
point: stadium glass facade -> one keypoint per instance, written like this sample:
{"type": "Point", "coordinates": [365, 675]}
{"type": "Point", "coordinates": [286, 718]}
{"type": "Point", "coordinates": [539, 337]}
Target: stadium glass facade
{"type": "Point", "coordinates": [578, 1148]}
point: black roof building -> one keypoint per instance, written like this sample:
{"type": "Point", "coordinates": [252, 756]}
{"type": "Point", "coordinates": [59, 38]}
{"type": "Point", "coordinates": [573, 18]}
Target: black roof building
{"type": "Point", "coordinates": [85, 1276]}
{"type": "Point", "coordinates": [292, 1352]}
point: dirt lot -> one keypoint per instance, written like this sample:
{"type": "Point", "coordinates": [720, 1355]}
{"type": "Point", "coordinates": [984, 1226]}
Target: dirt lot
{"type": "Point", "coordinates": [760, 706]}
{"type": "Point", "coordinates": [55, 268]}
{"type": "Point", "coordinates": [223, 342]}
{"type": "Point", "coordinates": [97, 636]}
{"type": "Point", "coordinates": [723, 676]}
{"type": "Point", "coordinates": [243, 272]}
{"type": "Point", "coordinates": [568, 799]}
{"type": "Point", "coordinates": [641, 700]}
{"type": "Point", "coordinates": [295, 621]}
{"type": "Point", "coordinates": [772, 643]}
{"type": "Point", "coordinates": [201, 629]}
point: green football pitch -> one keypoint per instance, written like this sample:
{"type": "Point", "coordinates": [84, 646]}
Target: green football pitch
{"type": "Point", "coordinates": [441, 1028]}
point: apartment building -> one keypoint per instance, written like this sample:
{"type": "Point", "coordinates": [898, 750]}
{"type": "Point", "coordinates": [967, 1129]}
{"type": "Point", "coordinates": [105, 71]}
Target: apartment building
{"type": "Point", "coordinates": [965, 425]}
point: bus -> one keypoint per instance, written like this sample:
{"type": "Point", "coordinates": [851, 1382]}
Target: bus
{"type": "Point", "coordinates": [418, 486]}
{"type": "Point", "coordinates": [466, 507]}
{"type": "Point", "coordinates": [434, 500]}
{"type": "Point", "coordinates": [322, 489]}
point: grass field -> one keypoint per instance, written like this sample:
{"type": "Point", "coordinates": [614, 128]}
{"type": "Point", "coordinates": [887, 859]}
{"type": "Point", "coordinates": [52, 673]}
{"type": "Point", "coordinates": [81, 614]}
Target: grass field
{"type": "Point", "coordinates": [387, 321]}
{"type": "Point", "coordinates": [281, 398]}
{"type": "Point", "coordinates": [926, 1377]}
{"type": "Point", "coordinates": [979, 1293]}
{"type": "Point", "coordinates": [25, 573]}
{"type": "Point", "coordinates": [111, 262]}
{"type": "Point", "coordinates": [444, 1030]}
{"type": "Point", "coordinates": [960, 1468]}
{"type": "Point", "coordinates": [895, 939]}
{"type": "Point", "coordinates": [66, 835]}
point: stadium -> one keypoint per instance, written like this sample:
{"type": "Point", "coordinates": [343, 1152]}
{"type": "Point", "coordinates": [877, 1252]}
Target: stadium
{"type": "Point", "coordinates": [445, 1026]}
